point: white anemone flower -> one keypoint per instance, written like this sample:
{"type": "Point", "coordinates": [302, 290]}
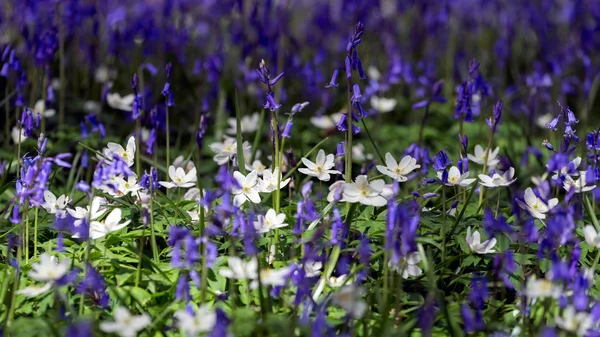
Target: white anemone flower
{"type": "Point", "coordinates": [575, 322]}
{"type": "Point", "coordinates": [408, 265]}
{"type": "Point", "coordinates": [591, 236]}
{"type": "Point", "coordinates": [94, 212]}
{"type": "Point", "coordinates": [268, 183]}
{"type": "Point", "coordinates": [239, 269]}
{"type": "Point", "coordinates": [18, 135]}
{"type": "Point", "coordinates": [125, 324]}
{"type": "Point", "coordinates": [35, 290]}
{"type": "Point", "coordinates": [535, 206]}
{"type": "Point", "coordinates": [111, 223]}
{"type": "Point", "coordinates": [271, 220]}
{"type": "Point", "coordinates": [479, 156]}
{"type": "Point", "coordinates": [226, 150]}
{"type": "Point", "coordinates": [350, 298]}
{"type": "Point", "coordinates": [364, 192]}
{"type": "Point", "coordinates": [326, 122]}
{"type": "Point", "coordinates": [49, 269]}
{"type": "Point", "coordinates": [52, 204]}
{"type": "Point", "coordinates": [202, 320]}
{"type": "Point", "coordinates": [572, 166]}
{"type": "Point", "coordinates": [455, 178]}
{"type": "Point", "coordinates": [313, 268]}
{"type": "Point", "coordinates": [249, 188]}
{"type": "Point", "coordinates": [359, 154]}
{"type": "Point", "coordinates": [321, 168]}
{"type": "Point", "coordinates": [498, 180]}
{"type": "Point", "coordinates": [272, 277]}
{"type": "Point", "coordinates": [398, 171]}
{"type": "Point", "coordinates": [179, 178]}
{"type": "Point", "coordinates": [474, 242]}
{"type": "Point", "coordinates": [382, 104]}
{"type": "Point", "coordinates": [579, 185]}
{"type": "Point", "coordinates": [40, 108]}
{"type": "Point", "coordinates": [249, 124]}
{"type": "Point", "coordinates": [115, 101]}
{"type": "Point", "coordinates": [542, 288]}
{"type": "Point", "coordinates": [128, 154]}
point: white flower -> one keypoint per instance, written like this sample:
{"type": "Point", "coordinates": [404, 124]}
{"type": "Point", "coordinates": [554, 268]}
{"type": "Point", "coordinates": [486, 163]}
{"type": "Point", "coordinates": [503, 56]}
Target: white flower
{"type": "Point", "coordinates": [474, 242]}
{"type": "Point", "coordinates": [91, 107]}
{"type": "Point", "coordinates": [350, 299]}
{"type": "Point", "coordinates": [358, 153]}
{"type": "Point", "coordinates": [53, 205]}
{"type": "Point", "coordinates": [34, 291]}
{"type": "Point", "coordinates": [40, 108]}
{"type": "Point", "coordinates": [579, 185]}
{"type": "Point", "coordinates": [272, 277]}
{"type": "Point", "coordinates": [479, 157]}
{"type": "Point", "coordinates": [94, 212]}
{"type": "Point", "coordinates": [269, 221]}
{"type": "Point", "coordinates": [542, 120]}
{"type": "Point", "coordinates": [576, 322]}
{"type": "Point", "coordinates": [334, 188]}
{"type": "Point", "coordinates": [535, 206]}
{"type": "Point", "coordinates": [248, 123]}
{"type": "Point", "coordinates": [128, 155]}
{"type": "Point", "coordinates": [572, 166]}
{"type": "Point", "coordinates": [49, 269]}
{"type": "Point", "coordinates": [18, 135]}
{"type": "Point", "coordinates": [541, 288]}
{"type": "Point", "coordinates": [112, 223]}
{"type": "Point", "coordinates": [321, 168]}
{"type": "Point", "coordinates": [257, 166]}
{"type": "Point", "coordinates": [126, 324]}
{"type": "Point", "coordinates": [118, 186]}
{"type": "Point", "coordinates": [398, 171]}
{"type": "Point", "coordinates": [238, 269]}
{"type": "Point", "coordinates": [180, 178]}
{"type": "Point", "coordinates": [326, 122]}
{"type": "Point", "coordinates": [313, 268]}
{"type": "Point", "coordinates": [591, 236]}
{"type": "Point", "coordinates": [202, 321]}
{"type": "Point", "coordinates": [382, 104]}
{"type": "Point", "coordinates": [181, 162]}
{"type": "Point", "coordinates": [227, 150]}
{"type": "Point", "coordinates": [408, 265]}
{"type": "Point", "coordinates": [455, 178]}
{"type": "Point", "coordinates": [336, 282]}
{"type": "Point", "coordinates": [115, 101]}
{"type": "Point", "coordinates": [249, 188]}
{"type": "Point", "coordinates": [498, 180]}
{"type": "Point", "coordinates": [365, 192]}
{"type": "Point", "coordinates": [268, 183]}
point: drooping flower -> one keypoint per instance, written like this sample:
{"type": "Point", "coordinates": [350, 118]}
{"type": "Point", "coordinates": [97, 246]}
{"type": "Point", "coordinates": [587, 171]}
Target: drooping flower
{"type": "Point", "coordinates": [398, 171]}
{"type": "Point", "coordinates": [475, 244]}
{"type": "Point", "coordinates": [498, 180]}
{"type": "Point", "coordinates": [578, 186]}
{"type": "Point", "coordinates": [455, 178]}
{"type": "Point", "coordinates": [179, 178]}
{"type": "Point", "coordinates": [40, 108]}
{"type": "Point", "coordinates": [18, 135]}
{"type": "Point", "coordinates": [536, 206]}
{"type": "Point", "coordinates": [271, 220]}
{"type": "Point", "coordinates": [125, 324]}
{"type": "Point", "coordinates": [321, 168]}
{"type": "Point", "coordinates": [248, 188]}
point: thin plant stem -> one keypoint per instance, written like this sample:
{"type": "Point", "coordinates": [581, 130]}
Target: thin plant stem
{"type": "Point", "coordinates": [87, 255]}
{"type": "Point", "coordinates": [35, 233]}
{"type": "Point", "coordinates": [167, 135]}
{"type": "Point", "coordinates": [257, 135]}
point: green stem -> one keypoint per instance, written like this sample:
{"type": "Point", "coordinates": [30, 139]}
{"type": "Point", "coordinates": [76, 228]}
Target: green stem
{"type": "Point", "coordinates": [35, 232]}
{"type": "Point", "coordinates": [13, 300]}
{"type": "Point", "coordinates": [87, 254]}
{"type": "Point", "coordinates": [485, 159]}
{"type": "Point", "coordinates": [238, 136]}
{"type": "Point", "coordinates": [257, 135]}
{"type": "Point", "coordinates": [167, 135]}
{"type": "Point", "coordinates": [372, 142]}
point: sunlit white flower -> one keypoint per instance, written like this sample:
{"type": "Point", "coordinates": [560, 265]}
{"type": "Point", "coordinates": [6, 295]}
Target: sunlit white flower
{"type": "Point", "coordinates": [115, 101]}
{"type": "Point", "coordinates": [271, 220]}
{"type": "Point", "coordinates": [249, 188]}
{"type": "Point", "coordinates": [128, 154]}
{"type": "Point", "coordinates": [49, 269]}
{"type": "Point", "coordinates": [382, 104]}
{"type": "Point", "coordinates": [455, 178]}
{"type": "Point", "coordinates": [591, 236]}
{"type": "Point", "coordinates": [398, 171]}
{"type": "Point", "coordinates": [313, 268]}
{"type": "Point", "coordinates": [474, 242]}
{"type": "Point", "coordinates": [125, 324]}
{"type": "Point", "coordinates": [239, 269]}
{"type": "Point", "coordinates": [578, 185]}
{"type": "Point", "coordinates": [359, 153]}
{"type": "Point", "coordinates": [111, 223]}
{"type": "Point", "coordinates": [227, 150]}
{"type": "Point", "coordinates": [97, 209]}
{"type": "Point", "coordinates": [40, 108]}
{"type": "Point", "coordinates": [326, 122]}
{"type": "Point", "coordinates": [257, 166]}
{"type": "Point", "coordinates": [18, 135]}
{"type": "Point", "coordinates": [35, 290]}
{"type": "Point", "coordinates": [118, 186]}
{"type": "Point", "coordinates": [498, 180]}
{"type": "Point", "coordinates": [272, 277]}
{"type": "Point", "coordinates": [365, 192]}
{"type": "Point", "coordinates": [350, 298]}
{"type": "Point", "coordinates": [52, 205]}
{"type": "Point", "coordinates": [321, 168]}
{"type": "Point", "coordinates": [541, 288]}
{"type": "Point", "coordinates": [479, 157]}
{"type": "Point", "coordinates": [575, 322]}
{"type": "Point", "coordinates": [408, 265]}
{"type": "Point", "coordinates": [268, 183]}
{"type": "Point", "coordinates": [179, 178]}
{"type": "Point", "coordinates": [249, 124]}
{"type": "Point", "coordinates": [542, 120]}
{"type": "Point", "coordinates": [572, 166]}
{"type": "Point", "coordinates": [535, 206]}
{"type": "Point", "coordinates": [103, 74]}
{"type": "Point", "coordinates": [202, 321]}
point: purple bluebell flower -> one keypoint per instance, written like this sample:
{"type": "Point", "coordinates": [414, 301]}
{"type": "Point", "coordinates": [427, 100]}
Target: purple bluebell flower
{"type": "Point", "coordinates": [441, 161]}
{"type": "Point", "coordinates": [95, 286]}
